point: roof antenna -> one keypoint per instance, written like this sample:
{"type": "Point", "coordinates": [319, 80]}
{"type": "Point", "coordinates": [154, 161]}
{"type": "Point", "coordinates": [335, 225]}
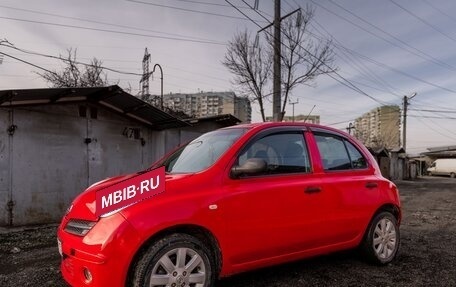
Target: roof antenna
{"type": "Point", "coordinates": [310, 113]}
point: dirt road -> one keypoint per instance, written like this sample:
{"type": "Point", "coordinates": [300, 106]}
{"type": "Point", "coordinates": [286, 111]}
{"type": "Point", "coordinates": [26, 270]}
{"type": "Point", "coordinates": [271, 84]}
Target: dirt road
{"type": "Point", "coordinates": [29, 257]}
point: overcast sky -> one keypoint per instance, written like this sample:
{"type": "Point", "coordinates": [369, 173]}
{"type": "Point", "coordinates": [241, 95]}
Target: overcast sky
{"type": "Point", "coordinates": [386, 48]}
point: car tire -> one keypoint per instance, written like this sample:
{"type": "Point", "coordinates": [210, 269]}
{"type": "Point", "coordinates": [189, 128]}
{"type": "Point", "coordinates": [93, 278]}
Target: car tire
{"type": "Point", "coordinates": [177, 260]}
{"type": "Point", "coordinates": [381, 240]}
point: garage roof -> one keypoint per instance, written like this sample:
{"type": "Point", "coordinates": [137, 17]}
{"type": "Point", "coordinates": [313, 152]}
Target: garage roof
{"type": "Point", "coordinates": [112, 97]}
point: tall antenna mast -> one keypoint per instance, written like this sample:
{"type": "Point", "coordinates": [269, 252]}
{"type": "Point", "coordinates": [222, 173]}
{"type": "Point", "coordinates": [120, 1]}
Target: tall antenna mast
{"type": "Point", "coordinates": [145, 76]}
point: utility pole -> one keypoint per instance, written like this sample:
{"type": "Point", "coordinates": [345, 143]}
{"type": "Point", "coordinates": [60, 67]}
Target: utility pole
{"type": "Point", "coordinates": [350, 127]}
{"type": "Point", "coordinates": [293, 104]}
{"type": "Point", "coordinates": [277, 73]}
{"type": "Point", "coordinates": [277, 91]}
{"type": "Point", "coordinates": [405, 103]}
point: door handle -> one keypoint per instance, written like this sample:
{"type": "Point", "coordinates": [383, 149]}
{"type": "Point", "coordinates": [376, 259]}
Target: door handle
{"type": "Point", "coordinates": [371, 185]}
{"type": "Point", "coordinates": [312, 189]}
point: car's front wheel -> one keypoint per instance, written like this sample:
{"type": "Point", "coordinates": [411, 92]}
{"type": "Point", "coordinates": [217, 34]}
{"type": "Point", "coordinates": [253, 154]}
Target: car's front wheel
{"type": "Point", "coordinates": [381, 241]}
{"type": "Point", "coordinates": [177, 260]}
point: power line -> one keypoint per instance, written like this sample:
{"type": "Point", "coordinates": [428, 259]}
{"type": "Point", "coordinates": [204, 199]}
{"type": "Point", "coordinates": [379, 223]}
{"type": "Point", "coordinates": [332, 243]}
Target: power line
{"type": "Point", "coordinates": [403, 73]}
{"type": "Point", "coordinates": [440, 10]}
{"type": "Point", "coordinates": [208, 3]}
{"type": "Point", "coordinates": [29, 63]}
{"type": "Point", "coordinates": [341, 47]}
{"type": "Point", "coordinates": [378, 63]}
{"type": "Point", "coordinates": [112, 31]}
{"type": "Point", "coordinates": [419, 54]}
{"type": "Point", "coordinates": [362, 68]}
{"type": "Point", "coordinates": [435, 28]}
{"type": "Point", "coordinates": [435, 111]}
{"type": "Point", "coordinates": [426, 55]}
{"type": "Point", "coordinates": [66, 60]}
{"type": "Point", "coordinates": [187, 10]}
{"type": "Point", "coordinates": [342, 122]}
{"type": "Point", "coordinates": [433, 117]}
{"type": "Point", "coordinates": [120, 68]}
{"type": "Point", "coordinates": [85, 64]}
{"type": "Point", "coordinates": [103, 23]}
{"type": "Point", "coordinates": [435, 130]}
{"type": "Point", "coordinates": [344, 81]}
{"type": "Point", "coordinates": [381, 64]}
{"type": "Point", "coordinates": [427, 105]}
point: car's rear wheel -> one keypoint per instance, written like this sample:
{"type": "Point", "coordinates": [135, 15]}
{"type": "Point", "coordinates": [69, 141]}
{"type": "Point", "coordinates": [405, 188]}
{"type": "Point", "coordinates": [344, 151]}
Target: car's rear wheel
{"type": "Point", "coordinates": [177, 260]}
{"type": "Point", "coordinates": [382, 238]}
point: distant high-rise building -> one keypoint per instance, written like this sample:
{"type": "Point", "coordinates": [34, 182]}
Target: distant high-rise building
{"type": "Point", "coordinates": [379, 128]}
{"type": "Point", "coordinates": [210, 104]}
{"type": "Point", "coordinates": [300, 118]}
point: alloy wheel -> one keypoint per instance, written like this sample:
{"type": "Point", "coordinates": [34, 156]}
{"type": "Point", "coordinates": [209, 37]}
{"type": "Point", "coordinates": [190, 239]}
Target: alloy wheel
{"type": "Point", "coordinates": [385, 238]}
{"type": "Point", "coordinates": [179, 267]}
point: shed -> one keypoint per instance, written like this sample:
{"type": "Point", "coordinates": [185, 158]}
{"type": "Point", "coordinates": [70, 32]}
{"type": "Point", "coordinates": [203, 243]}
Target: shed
{"type": "Point", "coordinates": [383, 160]}
{"type": "Point", "coordinates": [398, 164]}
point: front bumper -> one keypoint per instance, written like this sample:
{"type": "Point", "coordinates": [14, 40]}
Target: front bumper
{"type": "Point", "coordinates": [101, 257]}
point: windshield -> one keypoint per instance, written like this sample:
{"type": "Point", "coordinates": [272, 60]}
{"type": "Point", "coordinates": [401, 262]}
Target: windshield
{"type": "Point", "coordinates": [202, 152]}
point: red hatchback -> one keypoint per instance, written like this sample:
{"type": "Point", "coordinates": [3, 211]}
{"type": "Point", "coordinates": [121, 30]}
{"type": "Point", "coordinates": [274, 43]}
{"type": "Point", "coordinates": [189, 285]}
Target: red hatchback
{"type": "Point", "coordinates": [237, 199]}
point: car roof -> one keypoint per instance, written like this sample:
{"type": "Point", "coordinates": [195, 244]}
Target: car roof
{"type": "Point", "coordinates": [264, 125]}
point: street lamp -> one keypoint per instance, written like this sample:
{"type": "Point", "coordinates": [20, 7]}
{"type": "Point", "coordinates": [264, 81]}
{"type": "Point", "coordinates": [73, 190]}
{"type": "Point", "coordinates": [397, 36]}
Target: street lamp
{"type": "Point", "coordinates": [161, 82]}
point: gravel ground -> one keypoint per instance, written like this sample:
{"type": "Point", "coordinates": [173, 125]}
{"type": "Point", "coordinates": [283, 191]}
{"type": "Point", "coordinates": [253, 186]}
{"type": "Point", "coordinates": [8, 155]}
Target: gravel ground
{"type": "Point", "coordinates": [427, 256]}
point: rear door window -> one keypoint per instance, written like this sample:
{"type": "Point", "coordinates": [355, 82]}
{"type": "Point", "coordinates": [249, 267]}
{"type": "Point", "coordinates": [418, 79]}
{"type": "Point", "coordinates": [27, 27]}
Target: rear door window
{"type": "Point", "coordinates": [339, 154]}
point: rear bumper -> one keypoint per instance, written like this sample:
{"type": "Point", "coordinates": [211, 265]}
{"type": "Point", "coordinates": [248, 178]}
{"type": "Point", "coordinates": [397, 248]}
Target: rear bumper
{"type": "Point", "coordinates": [100, 258]}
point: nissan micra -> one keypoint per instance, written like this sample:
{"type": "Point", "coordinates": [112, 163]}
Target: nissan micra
{"type": "Point", "coordinates": [236, 199]}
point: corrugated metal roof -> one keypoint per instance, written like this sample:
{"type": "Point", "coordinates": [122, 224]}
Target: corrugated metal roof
{"type": "Point", "coordinates": [112, 97]}
{"type": "Point", "coordinates": [442, 148]}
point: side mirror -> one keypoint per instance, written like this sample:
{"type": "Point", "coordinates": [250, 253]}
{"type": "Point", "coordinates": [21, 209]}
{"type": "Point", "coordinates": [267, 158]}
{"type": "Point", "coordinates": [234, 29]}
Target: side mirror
{"type": "Point", "coordinates": [252, 166]}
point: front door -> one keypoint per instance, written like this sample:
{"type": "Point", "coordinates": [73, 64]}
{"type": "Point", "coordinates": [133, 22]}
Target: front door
{"type": "Point", "coordinates": [279, 211]}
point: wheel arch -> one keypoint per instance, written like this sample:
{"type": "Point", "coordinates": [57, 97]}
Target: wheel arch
{"type": "Point", "coordinates": [388, 207]}
{"type": "Point", "coordinates": [199, 232]}
{"type": "Point", "coordinates": [392, 208]}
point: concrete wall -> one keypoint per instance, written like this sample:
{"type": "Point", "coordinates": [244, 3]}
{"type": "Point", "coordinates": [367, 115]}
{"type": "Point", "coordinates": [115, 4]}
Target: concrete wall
{"type": "Point", "coordinates": [5, 175]}
{"type": "Point", "coordinates": [46, 162]}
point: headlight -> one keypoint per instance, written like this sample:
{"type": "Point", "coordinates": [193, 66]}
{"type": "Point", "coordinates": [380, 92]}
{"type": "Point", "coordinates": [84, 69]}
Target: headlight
{"type": "Point", "coordinates": [79, 227]}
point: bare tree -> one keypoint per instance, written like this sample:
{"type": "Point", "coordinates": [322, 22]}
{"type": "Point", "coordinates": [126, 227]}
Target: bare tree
{"type": "Point", "coordinates": [75, 74]}
{"type": "Point", "coordinates": [250, 66]}
{"type": "Point", "coordinates": [303, 59]}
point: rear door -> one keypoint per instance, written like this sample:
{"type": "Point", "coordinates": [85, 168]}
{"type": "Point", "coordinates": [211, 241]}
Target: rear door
{"type": "Point", "coordinates": [351, 186]}
{"type": "Point", "coordinates": [279, 211]}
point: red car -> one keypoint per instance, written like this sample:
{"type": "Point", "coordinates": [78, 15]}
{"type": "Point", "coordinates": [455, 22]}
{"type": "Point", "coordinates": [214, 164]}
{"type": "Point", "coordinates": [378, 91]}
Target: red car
{"type": "Point", "coordinates": [237, 199]}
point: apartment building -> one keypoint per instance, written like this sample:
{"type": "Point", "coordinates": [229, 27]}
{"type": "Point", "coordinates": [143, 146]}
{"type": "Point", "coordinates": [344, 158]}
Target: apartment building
{"type": "Point", "coordinates": [379, 128]}
{"type": "Point", "coordinates": [210, 104]}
